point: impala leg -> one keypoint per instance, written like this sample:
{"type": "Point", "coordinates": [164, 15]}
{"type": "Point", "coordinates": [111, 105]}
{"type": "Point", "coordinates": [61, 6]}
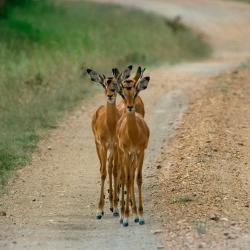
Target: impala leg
{"type": "Point", "coordinates": [98, 153]}
{"type": "Point", "coordinates": [110, 171]}
{"type": "Point", "coordinates": [128, 187]}
{"type": "Point", "coordinates": [119, 169]}
{"type": "Point", "coordinates": [122, 207]}
{"type": "Point", "coordinates": [115, 175]}
{"type": "Point", "coordinates": [122, 182]}
{"type": "Point", "coordinates": [103, 172]}
{"type": "Point", "coordinates": [139, 183]}
{"type": "Point", "coordinates": [134, 208]}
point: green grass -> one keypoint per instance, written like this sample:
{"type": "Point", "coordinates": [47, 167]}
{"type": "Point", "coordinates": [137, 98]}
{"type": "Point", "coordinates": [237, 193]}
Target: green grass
{"type": "Point", "coordinates": [42, 48]}
{"type": "Point", "coordinates": [201, 227]}
{"type": "Point", "coordinates": [183, 199]}
{"type": "Point", "coordinates": [246, 1]}
{"type": "Point", "coordinates": [222, 86]}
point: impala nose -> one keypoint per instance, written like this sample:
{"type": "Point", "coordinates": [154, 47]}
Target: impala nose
{"type": "Point", "coordinates": [130, 108]}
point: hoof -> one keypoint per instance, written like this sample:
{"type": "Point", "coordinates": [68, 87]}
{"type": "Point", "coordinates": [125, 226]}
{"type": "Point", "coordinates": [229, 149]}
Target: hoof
{"type": "Point", "coordinates": [99, 215]}
{"type": "Point", "coordinates": [141, 221]}
{"type": "Point", "coordinates": [111, 209]}
{"type": "Point", "coordinates": [125, 223]}
{"type": "Point", "coordinates": [116, 212]}
{"type": "Point", "coordinates": [136, 219]}
{"type": "Point", "coordinates": [121, 221]}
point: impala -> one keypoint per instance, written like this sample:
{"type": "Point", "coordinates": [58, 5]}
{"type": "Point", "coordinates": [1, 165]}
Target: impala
{"type": "Point", "coordinates": [104, 129]}
{"type": "Point", "coordinates": [133, 136]}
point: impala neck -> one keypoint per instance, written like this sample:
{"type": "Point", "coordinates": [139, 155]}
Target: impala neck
{"type": "Point", "coordinates": [111, 114]}
{"type": "Point", "coordinates": [132, 125]}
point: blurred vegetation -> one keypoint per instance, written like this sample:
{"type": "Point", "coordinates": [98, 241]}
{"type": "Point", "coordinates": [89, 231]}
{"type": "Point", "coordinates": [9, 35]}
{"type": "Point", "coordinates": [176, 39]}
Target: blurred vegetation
{"type": "Point", "coordinates": [5, 5]}
{"type": "Point", "coordinates": [246, 1]}
{"type": "Point", "coordinates": [42, 48]}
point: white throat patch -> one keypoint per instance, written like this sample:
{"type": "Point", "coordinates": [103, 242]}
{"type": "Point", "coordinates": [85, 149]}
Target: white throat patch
{"type": "Point", "coordinates": [112, 100]}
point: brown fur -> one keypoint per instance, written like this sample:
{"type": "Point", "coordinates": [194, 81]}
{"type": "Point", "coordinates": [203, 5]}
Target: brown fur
{"type": "Point", "coordinates": [139, 106]}
{"type": "Point", "coordinates": [133, 135]}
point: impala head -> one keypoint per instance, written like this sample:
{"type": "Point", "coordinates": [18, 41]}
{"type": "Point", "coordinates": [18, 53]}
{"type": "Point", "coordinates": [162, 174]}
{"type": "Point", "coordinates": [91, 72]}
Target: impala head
{"type": "Point", "coordinates": [109, 83]}
{"type": "Point", "coordinates": [130, 88]}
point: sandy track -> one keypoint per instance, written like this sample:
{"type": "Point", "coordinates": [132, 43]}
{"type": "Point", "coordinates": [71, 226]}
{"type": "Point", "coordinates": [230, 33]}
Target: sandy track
{"type": "Point", "coordinates": [52, 203]}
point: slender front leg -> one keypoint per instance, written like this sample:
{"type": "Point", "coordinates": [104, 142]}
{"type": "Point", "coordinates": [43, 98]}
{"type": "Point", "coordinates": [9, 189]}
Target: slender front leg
{"type": "Point", "coordinates": [115, 174]}
{"type": "Point", "coordinates": [103, 172]}
{"type": "Point", "coordinates": [122, 177]}
{"type": "Point", "coordinates": [139, 183]}
{"type": "Point", "coordinates": [110, 171]}
{"type": "Point", "coordinates": [128, 187]}
{"type": "Point", "coordinates": [134, 208]}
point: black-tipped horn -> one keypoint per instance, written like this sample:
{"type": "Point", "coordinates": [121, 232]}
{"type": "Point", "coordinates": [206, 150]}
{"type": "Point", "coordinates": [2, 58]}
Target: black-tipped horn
{"type": "Point", "coordinates": [142, 72]}
{"type": "Point", "coordinates": [138, 73]}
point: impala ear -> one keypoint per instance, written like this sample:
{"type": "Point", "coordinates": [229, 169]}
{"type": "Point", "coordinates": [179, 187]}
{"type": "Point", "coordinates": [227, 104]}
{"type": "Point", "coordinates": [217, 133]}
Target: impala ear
{"type": "Point", "coordinates": [142, 84]}
{"type": "Point", "coordinates": [126, 73]}
{"type": "Point", "coordinates": [95, 77]}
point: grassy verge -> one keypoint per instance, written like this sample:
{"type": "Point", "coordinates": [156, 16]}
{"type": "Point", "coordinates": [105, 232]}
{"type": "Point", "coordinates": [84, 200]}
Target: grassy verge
{"type": "Point", "coordinates": [246, 1]}
{"type": "Point", "coordinates": [42, 47]}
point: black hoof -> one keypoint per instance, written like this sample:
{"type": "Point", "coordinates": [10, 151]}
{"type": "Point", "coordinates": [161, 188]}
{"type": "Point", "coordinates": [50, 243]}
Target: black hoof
{"type": "Point", "coordinates": [136, 220]}
{"type": "Point", "coordinates": [98, 217]}
{"type": "Point", "coordinates": [121, 221]}
{"type": "Point", "coordinates": [125, 224]}
{"type": "Point", "coordinates": [115, 214]}
{"type": "Point", "coordinates": [141, 222]}
{"type": "Point", "coordinates": [111, 209]}
{"type": "Point", "coordinates": [102, 213]}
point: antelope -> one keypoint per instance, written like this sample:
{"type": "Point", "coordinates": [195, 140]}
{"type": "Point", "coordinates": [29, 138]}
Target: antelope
{"type": "Point", "coordinates": [139, 105]}
{"type": "Point", "coordinates": [133, 136]}
{"type": "Point", "coordinates": [108, 116]}
{"type": "Point", "coordinates": [104, 129]}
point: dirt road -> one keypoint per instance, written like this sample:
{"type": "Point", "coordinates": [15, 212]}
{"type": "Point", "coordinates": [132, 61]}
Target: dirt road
{"type": "Point", "coordinates": [52, 202]}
